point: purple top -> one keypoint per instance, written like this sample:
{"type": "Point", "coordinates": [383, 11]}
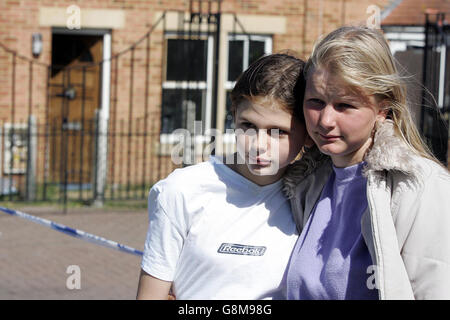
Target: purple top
{"type": "Point", "coordinates": [330, 258]}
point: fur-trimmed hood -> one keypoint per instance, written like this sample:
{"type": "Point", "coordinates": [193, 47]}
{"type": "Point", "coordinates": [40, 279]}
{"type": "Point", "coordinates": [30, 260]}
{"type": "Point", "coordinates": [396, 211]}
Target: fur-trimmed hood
{"type": "Point", "coordinates": [388, 153]}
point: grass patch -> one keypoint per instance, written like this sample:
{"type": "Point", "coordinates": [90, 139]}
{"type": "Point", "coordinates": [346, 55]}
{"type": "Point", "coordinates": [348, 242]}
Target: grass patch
{"type": "Point", "coordinates": [132, 197]}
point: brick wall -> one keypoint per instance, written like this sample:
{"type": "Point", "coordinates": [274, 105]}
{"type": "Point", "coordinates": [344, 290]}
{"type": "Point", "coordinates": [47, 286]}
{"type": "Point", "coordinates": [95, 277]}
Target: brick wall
{"type": "Point", "coordinates": [19, 19]}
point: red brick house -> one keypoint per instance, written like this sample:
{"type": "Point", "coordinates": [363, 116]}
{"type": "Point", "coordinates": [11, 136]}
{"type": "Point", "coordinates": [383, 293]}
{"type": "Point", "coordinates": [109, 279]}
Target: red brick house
{"type": "Point", "coordinates": [108, 81]}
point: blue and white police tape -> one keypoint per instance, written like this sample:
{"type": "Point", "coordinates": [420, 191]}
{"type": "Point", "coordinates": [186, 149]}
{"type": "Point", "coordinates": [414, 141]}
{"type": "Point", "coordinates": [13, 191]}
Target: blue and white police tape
{"type": "Point", "coordinates": [73, 232]}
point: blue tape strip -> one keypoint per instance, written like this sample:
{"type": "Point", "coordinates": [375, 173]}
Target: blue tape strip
{"type": "Point", "coordinates": [73, 232]}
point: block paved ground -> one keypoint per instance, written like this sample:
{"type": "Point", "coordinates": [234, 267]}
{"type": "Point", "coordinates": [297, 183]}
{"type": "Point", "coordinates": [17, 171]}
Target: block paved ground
{"type": "Point", "coordinates": [34, 259]}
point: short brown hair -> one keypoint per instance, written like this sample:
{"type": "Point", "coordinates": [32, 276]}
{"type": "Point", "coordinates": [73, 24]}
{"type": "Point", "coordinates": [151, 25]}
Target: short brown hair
{"type": "Point", "coordinates": [277, 76]}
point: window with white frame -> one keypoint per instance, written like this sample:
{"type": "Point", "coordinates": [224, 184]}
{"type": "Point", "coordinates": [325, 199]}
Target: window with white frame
{"type": "Point", "coordinates": [242, 51]}
{"type": "Point", "coordinates": [187, 84]}
{"type": "Point", "coordinates": [406, 44]}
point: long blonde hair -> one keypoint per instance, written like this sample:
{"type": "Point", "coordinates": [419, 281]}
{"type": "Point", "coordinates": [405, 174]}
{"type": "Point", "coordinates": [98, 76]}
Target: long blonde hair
{"type": "Point", "coordinates": [362, 59]}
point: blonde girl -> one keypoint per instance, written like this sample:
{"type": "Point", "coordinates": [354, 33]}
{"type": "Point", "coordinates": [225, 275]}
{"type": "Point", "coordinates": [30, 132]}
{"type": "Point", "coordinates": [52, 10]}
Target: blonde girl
{"type": "Point", "coordinates": [373, 205]}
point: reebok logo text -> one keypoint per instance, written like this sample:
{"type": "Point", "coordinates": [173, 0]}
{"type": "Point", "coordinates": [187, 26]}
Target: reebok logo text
{"type": "Point", "coordinates": [241, 249]}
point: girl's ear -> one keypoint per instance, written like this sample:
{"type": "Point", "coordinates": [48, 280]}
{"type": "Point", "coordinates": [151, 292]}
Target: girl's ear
{"type": "Point", "coordinates": [383, 110]}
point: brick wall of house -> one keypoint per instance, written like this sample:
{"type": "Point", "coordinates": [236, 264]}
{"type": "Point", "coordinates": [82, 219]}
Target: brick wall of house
{"type": "Point", "coordinates": [19, 19]}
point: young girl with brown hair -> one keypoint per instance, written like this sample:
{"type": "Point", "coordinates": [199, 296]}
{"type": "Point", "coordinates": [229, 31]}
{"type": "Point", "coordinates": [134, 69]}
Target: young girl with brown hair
{"type": "Point", "coordinates": [223, 230]}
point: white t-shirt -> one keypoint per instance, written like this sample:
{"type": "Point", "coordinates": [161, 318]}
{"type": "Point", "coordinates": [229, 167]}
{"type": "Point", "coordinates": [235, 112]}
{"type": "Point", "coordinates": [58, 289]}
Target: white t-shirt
{"type": "Point", "coordinates": [217, 235]}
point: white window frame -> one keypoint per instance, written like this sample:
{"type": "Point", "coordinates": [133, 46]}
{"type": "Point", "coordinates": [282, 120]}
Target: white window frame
{"type": "Point", "coordinates": [169, 138]}
{"type": "Point", "coordinates": [267, 39]}
{"type": "Point", "coordinates": [399, 41]}
{"type": "Point", "coordinates": [400, 38]}
{"type": "Point", "coordinates": [229, 85]}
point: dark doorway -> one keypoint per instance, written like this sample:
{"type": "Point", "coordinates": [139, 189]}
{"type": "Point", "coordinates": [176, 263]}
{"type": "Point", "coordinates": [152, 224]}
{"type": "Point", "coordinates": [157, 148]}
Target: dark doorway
{"type": "Point", "coordinates": [75, 84]}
